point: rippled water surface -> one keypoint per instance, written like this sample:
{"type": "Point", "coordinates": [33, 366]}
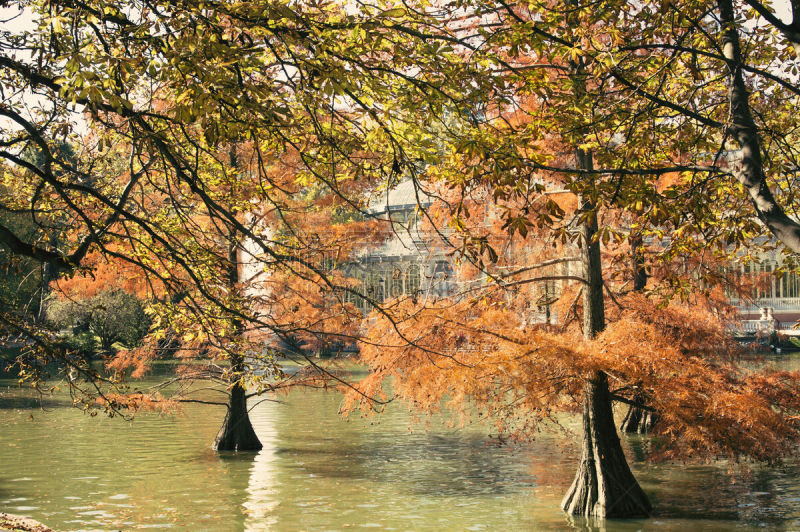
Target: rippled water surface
{"type": "Point", "coordinates": [318, 471]}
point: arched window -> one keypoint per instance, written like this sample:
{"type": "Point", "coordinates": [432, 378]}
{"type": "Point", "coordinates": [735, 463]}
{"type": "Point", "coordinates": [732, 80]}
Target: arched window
{"type": "Point", "coordinates": [412, 279]}
{"type": "Point", "coordinates": [397, 283]}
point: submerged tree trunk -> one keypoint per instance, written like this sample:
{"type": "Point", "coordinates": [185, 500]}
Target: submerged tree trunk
{"type": "Point", "coordinates": [236, 433]}
{"type": "Point", "coordinates": [604, 485]}
{"type": "Point", "coordinates": [638, 420]}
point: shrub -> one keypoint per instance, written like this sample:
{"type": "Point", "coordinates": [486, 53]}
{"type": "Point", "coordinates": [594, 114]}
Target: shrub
{"type": "Point", "coordinates": [113, 316]}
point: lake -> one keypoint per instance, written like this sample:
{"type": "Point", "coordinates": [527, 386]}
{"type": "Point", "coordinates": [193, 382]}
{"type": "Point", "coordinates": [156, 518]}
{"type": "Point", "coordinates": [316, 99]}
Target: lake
{"type": "Point", "coordinates": [318, 471]}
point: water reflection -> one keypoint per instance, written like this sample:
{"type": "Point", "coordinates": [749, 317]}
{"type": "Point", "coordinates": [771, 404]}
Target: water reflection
{"type": "Point", "coordinates": [318, 471]}
{"type": "Point", "coordinates": [262, 489]}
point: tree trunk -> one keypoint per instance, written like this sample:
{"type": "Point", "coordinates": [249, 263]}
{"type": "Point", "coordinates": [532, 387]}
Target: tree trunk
{"type": "Point", "coordinates": [604, 485]}
{"type": "Point", "coordinates": [49, 274]}
{"type": "Point", "coordinates": [632, 419]}
{"type": "Point", "coordinates": [236, 433]}
{"type": "Point", "coordinates": [638, 420]}
{"type": "Point", "coordinates": [750, 169]}
{"type": "Point", "coordinates": [637, 264]}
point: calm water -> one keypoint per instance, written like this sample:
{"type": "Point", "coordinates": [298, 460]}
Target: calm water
{"type": "Point", "coordinates": [318, 471]}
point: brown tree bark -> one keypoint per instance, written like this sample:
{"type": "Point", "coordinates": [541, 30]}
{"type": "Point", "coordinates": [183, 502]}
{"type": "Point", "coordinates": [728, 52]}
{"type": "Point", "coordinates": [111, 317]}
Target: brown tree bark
{"type": "Point", "coordinates": [604, 485]}
{"type": "Point", "coordinates": [638, 420]}
{"type": "Point", "coordinates": [236, 433]}
{"type": "Point", "coordinates": [637, 264]}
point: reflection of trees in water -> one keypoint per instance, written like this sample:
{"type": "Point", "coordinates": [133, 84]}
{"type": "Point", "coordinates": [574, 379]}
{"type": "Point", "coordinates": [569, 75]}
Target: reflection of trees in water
{"type": "Point", "coordinates": [263, 495]}
{"type": "Point", "coordinates": [315, 465]}
{"type": "Point", "coordinates": [32, 402]}
{"type": "Point", "coordinates": [750, 493]}
{"type": "Point", "coordinates": [711, 497]}
{"type": "Point", "coordinates": [315, 441]}
{"type": "Point", "coordinates": [263, 486]}
{"type": "Point", "coordinates": [417, 464]}
{"type": "Point", "coordinates": [754, 495]}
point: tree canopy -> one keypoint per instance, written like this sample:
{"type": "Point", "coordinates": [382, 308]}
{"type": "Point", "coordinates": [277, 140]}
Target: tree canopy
{"type": "Point", "coordinates": [222, 157]}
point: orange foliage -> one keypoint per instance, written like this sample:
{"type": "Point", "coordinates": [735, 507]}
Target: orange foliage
{"type": "Point", "coordinates": [103, 273]}
{"type": "Point", "coordinates": [479, 352]}
{"type": "Point", "coordinates": [136, 359]}
{"type": "Point", "coordinates": [135, 402]}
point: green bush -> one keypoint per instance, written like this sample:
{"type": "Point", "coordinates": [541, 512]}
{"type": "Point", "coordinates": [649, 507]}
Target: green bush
{"type": "Point", "coordinates": [112, 316]}
{"type": "Point", "coordinates": [83, 343]}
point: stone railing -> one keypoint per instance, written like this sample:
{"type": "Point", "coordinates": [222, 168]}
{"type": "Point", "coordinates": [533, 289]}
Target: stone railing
{"type": "Point", "coordinates": [776, 303]}
{"type": "Point", "coordinates": [753, 326]}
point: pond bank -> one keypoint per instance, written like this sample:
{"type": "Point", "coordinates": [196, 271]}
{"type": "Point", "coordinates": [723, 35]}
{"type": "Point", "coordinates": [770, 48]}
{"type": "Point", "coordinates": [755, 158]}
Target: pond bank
{"type": "Point", "coordinates": [16, 522]}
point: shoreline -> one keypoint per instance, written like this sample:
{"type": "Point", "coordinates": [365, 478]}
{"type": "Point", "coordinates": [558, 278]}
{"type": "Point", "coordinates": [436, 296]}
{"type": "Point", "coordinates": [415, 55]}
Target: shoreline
{"type": "Point", "coordinates": [19, 523]}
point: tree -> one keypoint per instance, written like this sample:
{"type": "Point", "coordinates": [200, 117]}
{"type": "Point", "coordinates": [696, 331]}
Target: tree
{"type": "Point", "coordinates": [114, 316]}
{"type": "Point", "coordinates": [21, 275]}
{"type": "Point", "coordinates": [166, 92]}
{"type": "Point", "coordinates": [476, 351]}
{"type": "Point", "coordinates": [486, 96]}
{"type": "Point", "coordinates": [618, 107]}
{"type": "Point", "coordinates": [611, 77]}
